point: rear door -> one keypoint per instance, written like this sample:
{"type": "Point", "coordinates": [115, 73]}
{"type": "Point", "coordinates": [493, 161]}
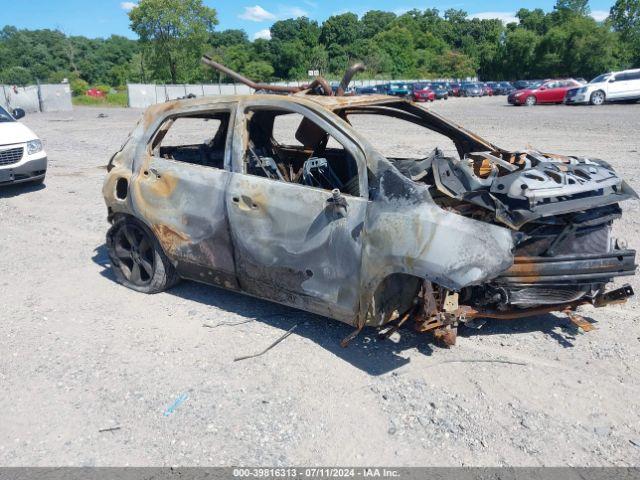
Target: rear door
{"type": "Point", "coordinates": [180, 191]}
{"type": "Point", "coordinates": [548, 92]}
{"type": "Point", "coordinates": [617, 86]}
{"type": "Point", "coordinates": [295, 241]}
{"type": "Point", "coordinates": [632, 85]}
{"type": "Point", "coordinates": [553, 93]}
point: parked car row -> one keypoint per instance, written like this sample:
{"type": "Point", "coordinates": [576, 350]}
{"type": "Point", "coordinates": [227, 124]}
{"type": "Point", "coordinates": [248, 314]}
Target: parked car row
{"type": "Point", "coordinates": [543, 91]}
{"type": "Point", "coordinates": [621, 86]}
{"type": "Point", "coordinates": [430, 91]}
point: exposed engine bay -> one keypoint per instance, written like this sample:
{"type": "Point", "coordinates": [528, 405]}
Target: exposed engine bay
{"type": "Point", "coordinates": [561, 211]}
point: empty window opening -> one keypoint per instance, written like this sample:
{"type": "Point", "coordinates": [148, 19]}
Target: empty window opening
{"type": "Point", "coordinates": [199, 140]}
{"type": "Point", "coordinates": [399, 139]}
{"type": "Point", "coordinates": [290, 147]}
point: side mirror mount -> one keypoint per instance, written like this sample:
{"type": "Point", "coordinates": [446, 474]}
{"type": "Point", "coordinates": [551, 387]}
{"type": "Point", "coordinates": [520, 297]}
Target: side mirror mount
{"type": "Point", "coordinates": [18, 113]}
{"type": "Point", "coordinates": [612, 79]}
{"type": "Point", "coordinates": [337, 204]}
{"type": "Point", "coordinates": [543, 87]}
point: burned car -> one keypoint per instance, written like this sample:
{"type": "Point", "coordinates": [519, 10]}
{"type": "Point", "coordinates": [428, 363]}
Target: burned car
{"type": "Point", "coordinates": [282, 198]}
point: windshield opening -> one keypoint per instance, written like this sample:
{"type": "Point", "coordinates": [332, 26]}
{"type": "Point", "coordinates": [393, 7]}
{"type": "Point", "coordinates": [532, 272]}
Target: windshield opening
{"type": "Point", "coordinates": [5, 116]}
{"type": "Point", "coordinates": [600, 78]}
{"type": "Point", "coordinates": [403, 123]}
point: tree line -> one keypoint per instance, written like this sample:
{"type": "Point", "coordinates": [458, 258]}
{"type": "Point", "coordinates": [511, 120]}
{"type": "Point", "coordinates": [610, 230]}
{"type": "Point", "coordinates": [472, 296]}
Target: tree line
{"type": "Point", "coordinates": [173, 34]}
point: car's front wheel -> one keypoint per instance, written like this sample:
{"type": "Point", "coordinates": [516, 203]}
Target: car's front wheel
{"type": "Point", "coordinates": [530, 101]}
{"type": "Point", "coordinates": [137, 259]}
{"type": "Point", "coordinates": [597, 98]}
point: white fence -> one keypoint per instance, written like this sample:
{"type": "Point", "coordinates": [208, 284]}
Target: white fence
{"type": "Point", "coordinates": [37, 98]}
{"type": "Point", "coordinates": [143, 95]}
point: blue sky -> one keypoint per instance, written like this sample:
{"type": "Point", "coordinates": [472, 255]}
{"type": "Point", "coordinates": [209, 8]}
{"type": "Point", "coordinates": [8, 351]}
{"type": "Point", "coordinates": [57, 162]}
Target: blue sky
{"type": "Point", "coordinates": [101, 18]}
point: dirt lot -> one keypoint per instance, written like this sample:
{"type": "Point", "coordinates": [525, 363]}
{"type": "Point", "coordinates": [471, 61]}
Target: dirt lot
{"type": "Point", "coordinates": [80, 353]}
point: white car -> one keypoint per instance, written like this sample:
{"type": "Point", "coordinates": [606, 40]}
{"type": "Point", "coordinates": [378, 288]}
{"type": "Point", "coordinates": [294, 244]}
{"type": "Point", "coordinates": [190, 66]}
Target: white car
{"type": "Point", "coordinates": [608, 87]}
{"type": "Point", "coordinates": [22, 157]}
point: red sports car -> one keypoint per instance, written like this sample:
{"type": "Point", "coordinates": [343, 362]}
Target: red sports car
{"type": "Point", "coordinates": [546, 91]}
{"type": "Point", "coordinates": [424, 95]}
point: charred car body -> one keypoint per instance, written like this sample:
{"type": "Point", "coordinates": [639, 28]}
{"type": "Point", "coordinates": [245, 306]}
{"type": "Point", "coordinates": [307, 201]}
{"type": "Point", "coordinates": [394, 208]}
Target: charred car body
{"type": "Point", "coordinates": [327, 224]}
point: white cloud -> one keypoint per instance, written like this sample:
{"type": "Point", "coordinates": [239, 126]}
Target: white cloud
{"type": "Point", "coordinates": [128, 5]}
{"type": "Point", "coordinates": [506, 17]}
{"type": "Point", "coordinates": [256, 14]}
{"type": "Point", "coordinates": [599, 15]}
{"type": "Point", "coordinates": [264, 33]}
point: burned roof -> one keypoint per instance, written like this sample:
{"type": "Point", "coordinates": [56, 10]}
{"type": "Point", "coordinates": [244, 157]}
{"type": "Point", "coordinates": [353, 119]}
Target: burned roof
{"type": "Point", "coordinates": [328, 102]}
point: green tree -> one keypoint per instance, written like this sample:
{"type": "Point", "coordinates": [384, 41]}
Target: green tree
{"type": "Point", "coordinates": [625, 19]}
{"type": "Point", "coordinates": [228, 37]}
{"type": "Point", "coordinates": [340, 30]}
{"type": "Point", "coordinates": [259, 70]}
{"type": "Point", "coordinates": [577, 7]}
{"type": "Point", "coordinates": [455, 65]}
{"type": "Point", "coordinates": [564, 42]}
{"type": "Point", "coordinates": [16, 76]}
{"type": "Point", "coordinates": [296, 29]}
{"type": "Point", "coordinates": [374, 22]}
{"type": "Point", "coordinates": [565, 10]}
{"type": "Point", "coordinates": [533, 20]}
{"type": "Point", "coordinates": [518, 56]}
{"type": "Point", "coordinates": [397, 43]}
{"type": "Point", "coordinates": [174, 32]}
{"type": "Point", "coordinates": [579, 47]}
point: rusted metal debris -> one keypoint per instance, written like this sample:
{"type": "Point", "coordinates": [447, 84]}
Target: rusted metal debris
{"type": "Point", "coordinates": [446, 336]}
{"type": "Point", "coordinates": [579, 321]}
{"type": "Point", "coordinates": [280, 339]}
{"type": "Point", "coordinates": [228, 324]}
{"type": "Point", "coordinates": [109, 429]}
{"type": "Point", "coordinates": [318, 86]}
{"type": "Point", "coordinates": [347, 233]}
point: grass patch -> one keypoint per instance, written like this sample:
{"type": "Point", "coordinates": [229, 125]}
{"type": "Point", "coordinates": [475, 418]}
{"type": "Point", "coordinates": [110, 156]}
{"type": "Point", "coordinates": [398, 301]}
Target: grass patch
{"type": "Point", "coordinates": [111, 100]}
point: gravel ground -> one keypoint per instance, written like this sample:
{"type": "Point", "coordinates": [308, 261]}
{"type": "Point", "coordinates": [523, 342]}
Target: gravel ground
{"type": "Point", "coordinates": [81, 353]}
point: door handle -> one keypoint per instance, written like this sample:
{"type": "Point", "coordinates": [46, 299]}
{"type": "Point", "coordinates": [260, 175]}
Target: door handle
{"type": "Point", "coordinates": [244, 202]}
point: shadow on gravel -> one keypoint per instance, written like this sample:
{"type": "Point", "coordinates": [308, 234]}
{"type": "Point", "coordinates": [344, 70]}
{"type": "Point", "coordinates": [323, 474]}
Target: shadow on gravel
{"type": "Point", "coordinates": [558, 328]}
{"type": "Point", "coordinates": [20, 189]}
{"type": "Point", "coordinates": [366, 352]}
{"type": "Point", "coordinates": [101, 257]}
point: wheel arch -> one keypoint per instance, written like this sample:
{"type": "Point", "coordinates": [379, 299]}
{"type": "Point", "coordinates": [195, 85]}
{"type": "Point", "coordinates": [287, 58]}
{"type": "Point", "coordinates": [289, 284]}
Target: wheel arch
{"type": "Point", "coordinates": [394, 295]}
